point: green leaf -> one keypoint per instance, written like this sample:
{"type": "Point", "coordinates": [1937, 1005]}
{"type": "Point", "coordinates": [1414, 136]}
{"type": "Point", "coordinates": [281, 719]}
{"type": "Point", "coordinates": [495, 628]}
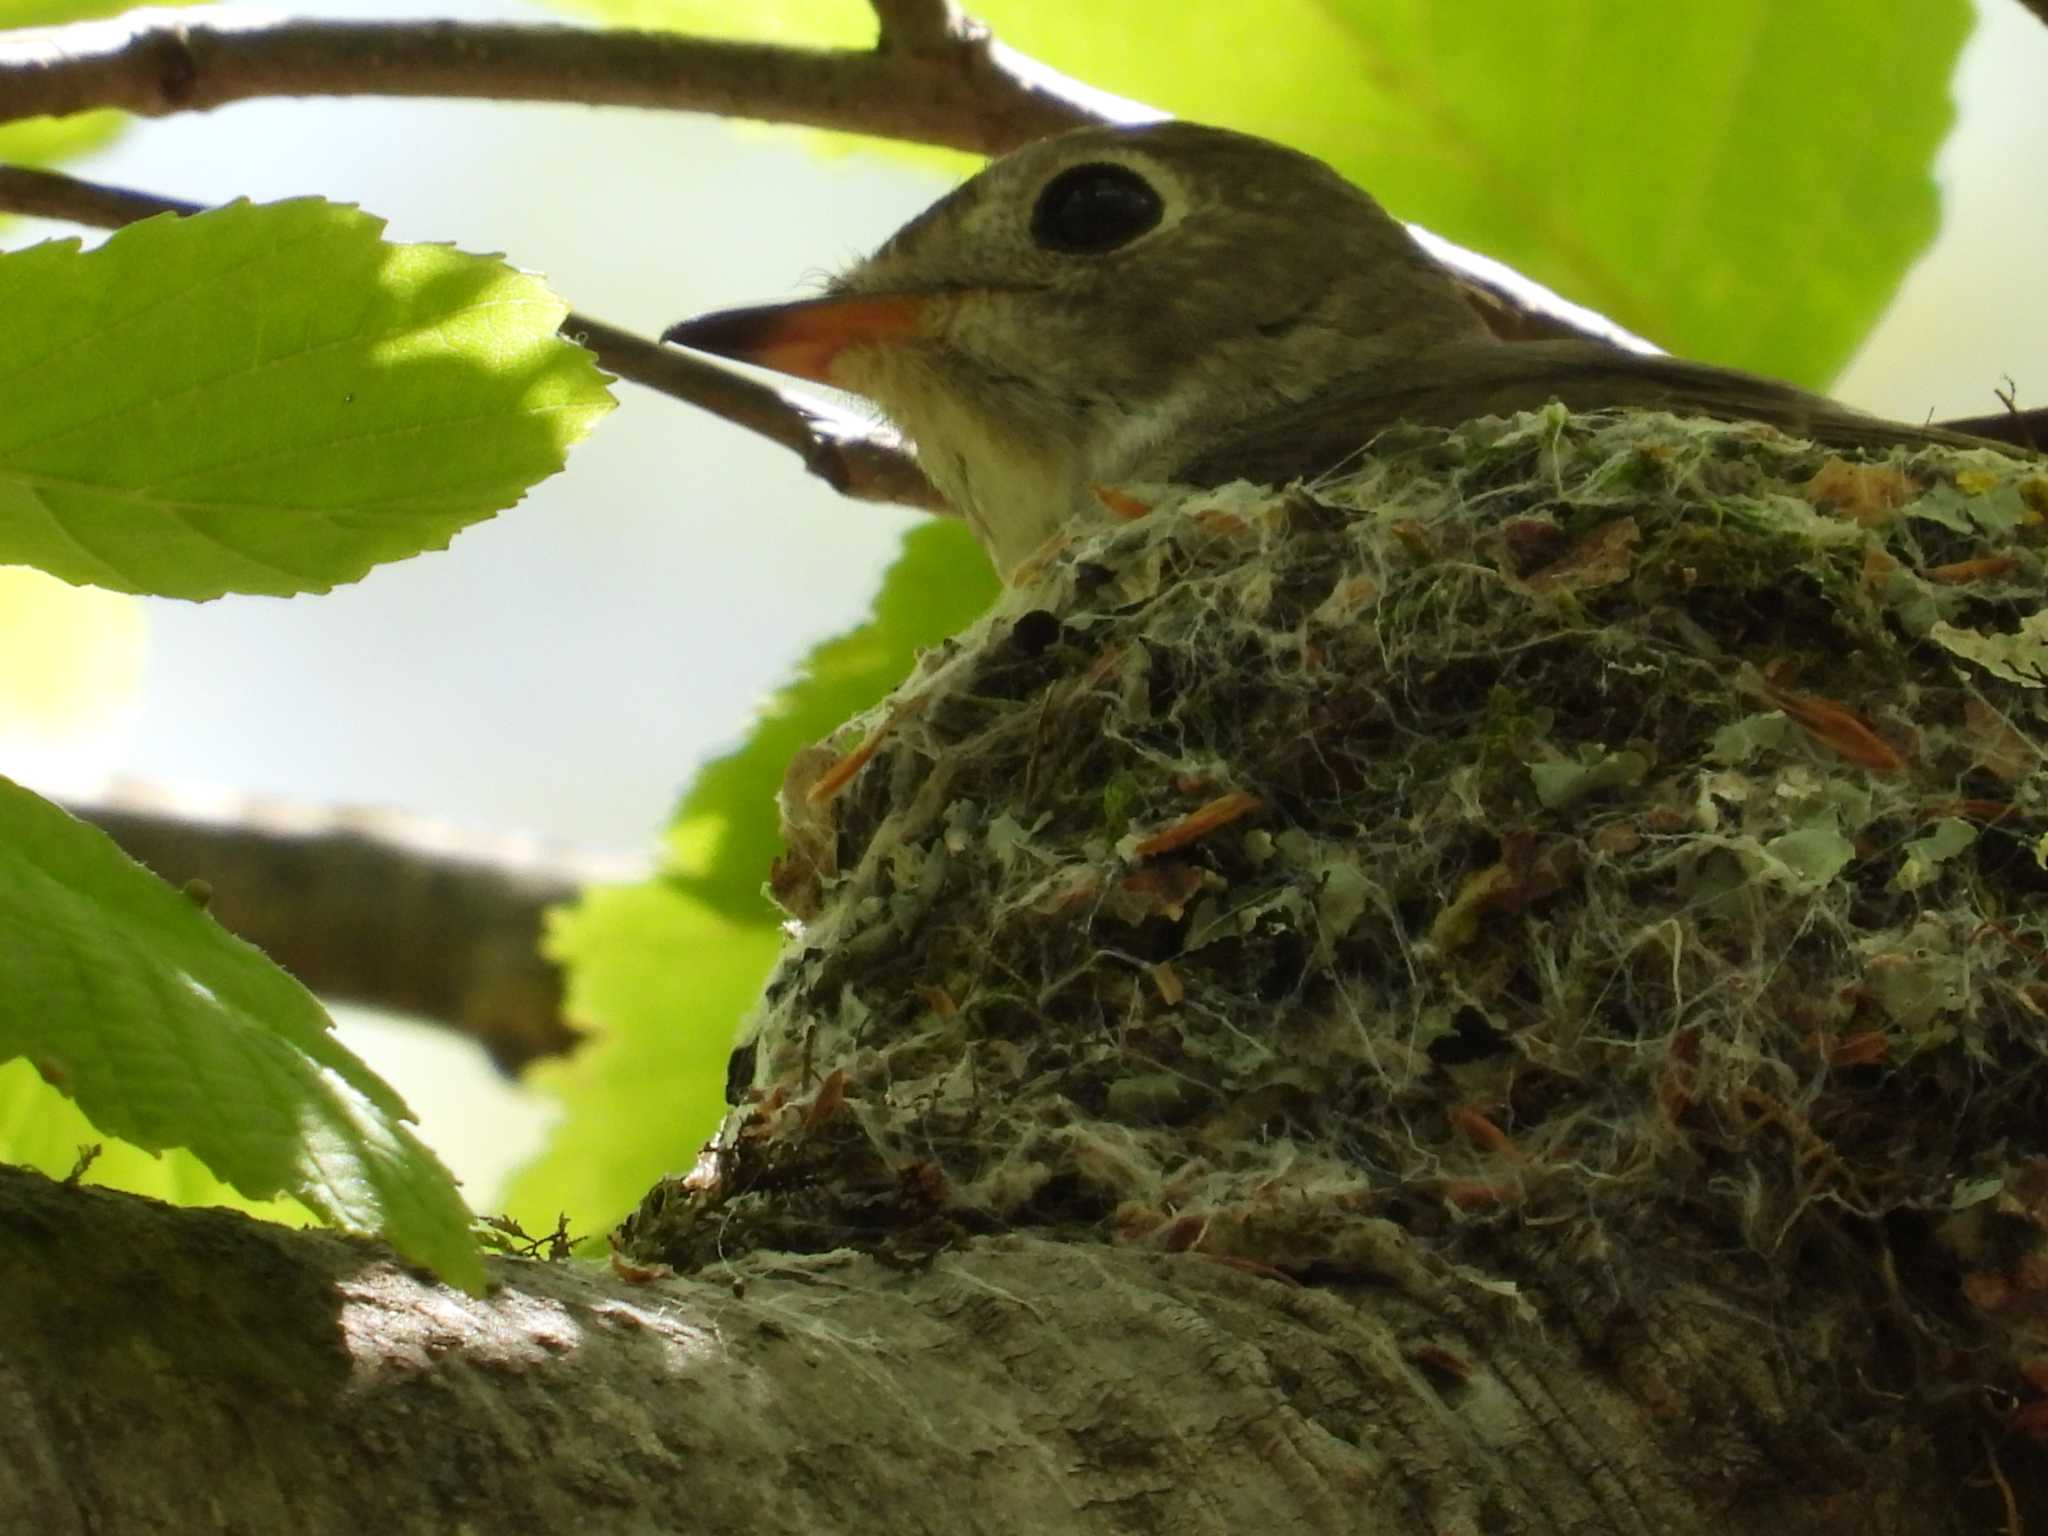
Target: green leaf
{"type": "Point", "coordinates": [54, 13]}
{"type": "Point", "coordinates": [44, 141]}
{"type": "Point", "coordinates": [666, 973]}
{"type": "Point", "coordinates": [666, 982]}
{"type": "Point", "coordinates": [724, 835]}
{"type": "Point", "coordinates": [270, 399]}
{"type": "Point", "coordinates": [2020, 656]}
{"type": "Point", "coordinates": [1744, 182]}
{"type": "Point", "coordinates": [41, 1129]}
{"type": "Point", "coordinates": [1924, 856]}
{"type": "Point", "coordinates": [168, 1031]}
{"type": "Point", "coordinates": [796, 23]}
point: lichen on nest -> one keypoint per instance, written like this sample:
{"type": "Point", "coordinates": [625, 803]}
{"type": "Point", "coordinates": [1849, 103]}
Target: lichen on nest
{"type": "Point", "coordinates": [1575, 824]}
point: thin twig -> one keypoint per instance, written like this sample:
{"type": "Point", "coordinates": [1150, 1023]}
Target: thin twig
{"type": "Point", "coordinates": [52, 195]}
{"type": "Point", "coordinates": [949, 88]}
{"type": "Point", "coordinates": [855, 459]}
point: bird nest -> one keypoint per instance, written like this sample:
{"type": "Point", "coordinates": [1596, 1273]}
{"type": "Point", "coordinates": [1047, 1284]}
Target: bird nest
{"type": "Point", "coordinates": [1612, 835]}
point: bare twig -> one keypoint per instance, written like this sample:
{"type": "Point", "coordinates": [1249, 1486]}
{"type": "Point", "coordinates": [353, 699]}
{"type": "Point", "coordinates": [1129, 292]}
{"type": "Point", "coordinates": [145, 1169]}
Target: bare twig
{"type": "Point", "coordinates": [374, 908]}
{"type": "Point", "coordinates": [50, 195]}
{"type": "Point", "coordinates": [855, 459]}
{"type": "Point", "coordinates": [949, 86]}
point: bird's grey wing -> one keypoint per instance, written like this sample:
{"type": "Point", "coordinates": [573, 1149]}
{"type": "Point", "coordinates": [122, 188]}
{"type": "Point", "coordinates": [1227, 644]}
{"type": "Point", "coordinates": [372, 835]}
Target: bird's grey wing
{"type": "Point", "coordinates": [2013, 428]}
{"type": "Point", "coordinates": [1465, 380]}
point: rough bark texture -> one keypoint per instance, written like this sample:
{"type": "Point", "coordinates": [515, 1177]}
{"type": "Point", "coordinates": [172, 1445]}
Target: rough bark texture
{"type": "Point", "coordinates": [172, 1371]}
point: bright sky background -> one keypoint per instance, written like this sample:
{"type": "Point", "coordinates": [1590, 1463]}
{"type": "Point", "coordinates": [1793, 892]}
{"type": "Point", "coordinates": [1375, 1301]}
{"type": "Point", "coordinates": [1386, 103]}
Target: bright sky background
{"type": "Point", "coordinates": [562, 669]}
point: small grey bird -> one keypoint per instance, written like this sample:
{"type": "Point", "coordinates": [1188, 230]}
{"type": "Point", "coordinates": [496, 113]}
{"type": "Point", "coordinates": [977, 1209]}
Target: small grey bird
{"type": "Point", "coordinates": [1181, 303]}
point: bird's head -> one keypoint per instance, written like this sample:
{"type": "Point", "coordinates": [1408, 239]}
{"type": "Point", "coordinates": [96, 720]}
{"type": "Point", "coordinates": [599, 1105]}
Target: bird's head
{"type": "Point", "coordinates": [1096, 307]}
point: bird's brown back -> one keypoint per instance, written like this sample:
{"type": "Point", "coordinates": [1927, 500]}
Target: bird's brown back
{"type": "Point", "coordinates": [1464, 380]}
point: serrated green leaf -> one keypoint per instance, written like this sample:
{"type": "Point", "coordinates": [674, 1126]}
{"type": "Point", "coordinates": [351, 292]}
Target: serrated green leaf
{"type": "Point", "coordinates": [43, 1130]}
{"type": "Point", "coordinates": [724, 836]}
{"type": "Point", "coordinates": [167, 1031]}
{"type": "Point", "coordinates": [270, 399]}
{"type": "Point", "coordinates": [666, 982]}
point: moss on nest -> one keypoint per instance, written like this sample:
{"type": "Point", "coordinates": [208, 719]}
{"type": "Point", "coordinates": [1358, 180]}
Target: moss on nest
{"type": "Point", "coordinates": [1617, 834]}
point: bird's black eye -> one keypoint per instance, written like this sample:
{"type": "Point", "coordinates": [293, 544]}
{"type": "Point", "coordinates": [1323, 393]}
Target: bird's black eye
{"type": "Point", "coordinates": [1088, 209]}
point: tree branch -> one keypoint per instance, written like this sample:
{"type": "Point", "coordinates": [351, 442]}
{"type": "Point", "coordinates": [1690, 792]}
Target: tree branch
{"type": "Point", "coordinates": [856, 459]}
{"type": "Point", "coordinates": [961, 94]}
{"type": "Point", "coordinates": [1014, 1384]}
{"type": "Point", "coordinates": [926, 27]}
{"type": "Point", "coordinates": [376, 908]}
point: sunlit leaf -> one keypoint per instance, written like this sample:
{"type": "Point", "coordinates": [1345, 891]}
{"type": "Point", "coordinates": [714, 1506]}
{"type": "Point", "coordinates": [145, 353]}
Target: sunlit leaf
{"type": "Point", "coordinates": [664, 982]}
{"type": "Point", "coordinates": [270, 399]}
{"type": "Point", "coordinates": [723, 836]}
{"type": "Point", "coordinates": [665, 973]}
{"type": "Point", "coordinates": [68, 655]}
{"type": "Point", "coordinates": [169, 1032]}
{"type": "Point", "coordinates": [43, 1130]}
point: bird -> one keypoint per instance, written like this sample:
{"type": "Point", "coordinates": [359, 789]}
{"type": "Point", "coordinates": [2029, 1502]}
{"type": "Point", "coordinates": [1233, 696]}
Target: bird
{"type": "Point", "coordinates": [1172, 302]}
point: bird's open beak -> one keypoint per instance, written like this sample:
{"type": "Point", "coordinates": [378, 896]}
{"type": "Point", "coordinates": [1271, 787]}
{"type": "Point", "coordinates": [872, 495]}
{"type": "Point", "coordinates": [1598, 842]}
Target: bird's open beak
{"type": "Point", "coordinates": [804, 338]}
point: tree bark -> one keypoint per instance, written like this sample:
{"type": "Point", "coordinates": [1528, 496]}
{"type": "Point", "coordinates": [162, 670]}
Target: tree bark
{"type": "Point", "coordinates": [376, 908]}
{"type": "Point", "coordinates": [195, 1371]}
{"type": "Point", "coordinates": [938, 85]}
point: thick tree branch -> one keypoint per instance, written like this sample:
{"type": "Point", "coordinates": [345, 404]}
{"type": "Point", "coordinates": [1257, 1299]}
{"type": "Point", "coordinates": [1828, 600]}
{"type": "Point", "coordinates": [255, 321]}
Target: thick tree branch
{"type": "Point", "coordinates": [376, 908]}
{"type": "Point", "coordinates": [154, 62]}
{"type": "Point", "coordinates": [195, 1371]}
{"type": "Point", "coordinates": [853, 457]}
